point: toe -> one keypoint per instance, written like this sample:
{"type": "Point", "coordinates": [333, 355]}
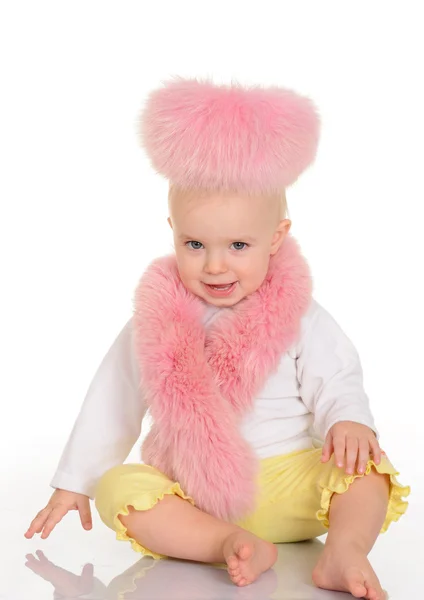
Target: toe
{"type": "Point", "coordinates": [232, 562]}
{"type": "Point", "coordinates": [355, 583]}
{"type": "Point", "coordinates": [358, 590]}
{"type": "Point", "coordinates": [373, 593]}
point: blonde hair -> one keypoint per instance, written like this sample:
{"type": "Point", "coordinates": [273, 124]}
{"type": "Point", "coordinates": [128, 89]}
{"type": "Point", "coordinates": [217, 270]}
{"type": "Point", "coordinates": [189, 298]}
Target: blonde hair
{"type": "Point", "coordinates": [175, 190]}
{"type": "Point", "coordinates": [284, 214]}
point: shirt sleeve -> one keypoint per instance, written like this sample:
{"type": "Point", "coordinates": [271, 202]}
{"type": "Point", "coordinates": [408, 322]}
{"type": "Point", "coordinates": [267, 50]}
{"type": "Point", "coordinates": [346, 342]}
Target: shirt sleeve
{"type": "Point", "coordinates": [109, 422]}
{"type": "Point", "coordinates": [330, 374]}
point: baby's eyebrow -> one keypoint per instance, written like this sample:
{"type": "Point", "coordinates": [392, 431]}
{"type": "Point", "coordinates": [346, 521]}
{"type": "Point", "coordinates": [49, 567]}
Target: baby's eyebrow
{"type": "Point", "coordinates": [246, 238]}
{"type": "Point", "coordinates": [185, 236]}
{"type": "Point", "coordinates": [241, 238]}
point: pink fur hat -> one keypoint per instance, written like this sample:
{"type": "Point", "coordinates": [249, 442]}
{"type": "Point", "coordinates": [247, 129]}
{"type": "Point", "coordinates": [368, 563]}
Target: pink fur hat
{"type": "Point", "coordinates": [228, 137]}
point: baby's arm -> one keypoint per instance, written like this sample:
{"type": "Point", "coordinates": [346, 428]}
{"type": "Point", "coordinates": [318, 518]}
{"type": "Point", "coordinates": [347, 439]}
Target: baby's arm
{"type": "Point", "coordinates": [106, 429]}
{"type": "Point", "coordinates": [109, 421]}
{"type": "Point", "coordinates": [330, 375]}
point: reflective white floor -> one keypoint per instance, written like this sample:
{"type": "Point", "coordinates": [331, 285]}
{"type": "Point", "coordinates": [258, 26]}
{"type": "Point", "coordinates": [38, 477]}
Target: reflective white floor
{"type": "Point", "coordinates": [73, 563]}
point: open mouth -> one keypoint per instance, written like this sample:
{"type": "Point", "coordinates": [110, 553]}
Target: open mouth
{"type": "Point", "coordinates": [224, 289]}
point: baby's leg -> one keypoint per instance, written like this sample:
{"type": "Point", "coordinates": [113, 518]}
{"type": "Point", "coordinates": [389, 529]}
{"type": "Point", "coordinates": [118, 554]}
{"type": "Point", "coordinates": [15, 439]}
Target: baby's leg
{"type": "Point", "coordinates": [356, 518]}
{"type": "Point", "coordinates": [175, 528]}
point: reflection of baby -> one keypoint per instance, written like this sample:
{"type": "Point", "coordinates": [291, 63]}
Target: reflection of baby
{"type": "Point", "coordinates": [148, 579]}
{"type": "Point", "coordinates": [67, 585]}
{"type": "Point", "coordinates": [181, 581]}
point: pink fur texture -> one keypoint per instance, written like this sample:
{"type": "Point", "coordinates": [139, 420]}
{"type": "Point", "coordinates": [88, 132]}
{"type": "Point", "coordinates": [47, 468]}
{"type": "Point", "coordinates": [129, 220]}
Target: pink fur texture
{"type": "Point", "coordinates": [200, 383]}
{"type": "Point", "coordinates": [255, 140]}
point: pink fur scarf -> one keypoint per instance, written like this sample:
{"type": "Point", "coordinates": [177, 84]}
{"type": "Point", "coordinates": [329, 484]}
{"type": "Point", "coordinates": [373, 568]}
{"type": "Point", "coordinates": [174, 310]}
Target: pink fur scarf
{"type": "Point", "coordinates": [200, 383]}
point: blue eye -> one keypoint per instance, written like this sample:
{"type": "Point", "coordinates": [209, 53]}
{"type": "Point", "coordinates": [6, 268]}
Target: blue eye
{"type": "Point", "coordinates": [239, 245]}
{"type": "Point", "coordinates": [194, 245]}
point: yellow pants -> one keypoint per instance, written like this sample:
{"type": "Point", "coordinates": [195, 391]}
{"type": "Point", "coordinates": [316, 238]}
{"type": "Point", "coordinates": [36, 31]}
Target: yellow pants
{"type": "Point", "coordinates": [294, 498]}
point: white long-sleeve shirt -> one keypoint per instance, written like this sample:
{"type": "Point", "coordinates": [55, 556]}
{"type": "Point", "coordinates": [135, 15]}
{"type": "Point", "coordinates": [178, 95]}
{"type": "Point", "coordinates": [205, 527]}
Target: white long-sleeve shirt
{"type": "Point", "coordinates": [317, 384]}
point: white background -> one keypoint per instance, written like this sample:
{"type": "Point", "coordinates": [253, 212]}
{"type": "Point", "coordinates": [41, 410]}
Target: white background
{"type": "Point", "coordinates": [83, 213]}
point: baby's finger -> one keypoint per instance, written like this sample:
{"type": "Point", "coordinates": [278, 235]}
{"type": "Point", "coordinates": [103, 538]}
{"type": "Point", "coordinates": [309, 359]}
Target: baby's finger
{"type": "Point", "coordinates": [327, 449]}
{"type": "Point", "coordinates": [31, 560]}
{"type": "Point", "coordinates": [55, 517]}
{"type": "Point", "coordinates": [364, 454]}
{"type": "Point", "coordinates": [85, 513]}
{"type": "Point", "coordinates": [351, 454]}
{"type": "Point", "coordinates": [37, 523]}
{"type": "Point", "coordinates": [376, 450]}
{"type": "Point", "coordinates": [339, 444]}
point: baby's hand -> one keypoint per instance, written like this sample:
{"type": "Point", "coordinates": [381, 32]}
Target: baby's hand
{"type": "Point", "coordinates": [356, 441]}
{"type": "Point", "coordinates": [59, 504]}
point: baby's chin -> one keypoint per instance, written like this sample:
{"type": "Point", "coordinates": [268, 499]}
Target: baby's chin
{"type": "Point", "coordinates": [222, 302]}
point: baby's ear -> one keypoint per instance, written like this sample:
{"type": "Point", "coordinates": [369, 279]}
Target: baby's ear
{"type": "Point", "coordinates": [170, 222]}
{"type": "Point", "coordinates": [280, 233]}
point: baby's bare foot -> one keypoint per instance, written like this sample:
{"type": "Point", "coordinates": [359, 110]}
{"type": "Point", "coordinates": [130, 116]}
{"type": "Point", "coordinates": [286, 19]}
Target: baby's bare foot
{"type": "Point", "coordinates": [248, 556]}
{"type": "Point", "coordinates": [346, 569]}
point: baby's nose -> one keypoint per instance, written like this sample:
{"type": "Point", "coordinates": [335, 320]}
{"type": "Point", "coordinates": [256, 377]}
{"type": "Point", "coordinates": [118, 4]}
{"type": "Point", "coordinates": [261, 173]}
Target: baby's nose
{"type": "Point", "coordinates": [215, 265]}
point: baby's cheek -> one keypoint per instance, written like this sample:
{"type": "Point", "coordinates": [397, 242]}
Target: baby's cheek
{"type": "Point", "coordinates": [189, 281]}
{"type": "Point", "coordinates": [189, 270]}
{"type": "Point", "coordinates": [254, 276]}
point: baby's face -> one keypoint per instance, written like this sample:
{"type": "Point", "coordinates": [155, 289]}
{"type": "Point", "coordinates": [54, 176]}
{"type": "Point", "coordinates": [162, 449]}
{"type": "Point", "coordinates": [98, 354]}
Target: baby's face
{"type": "Point", "coordinates": [223, 243]}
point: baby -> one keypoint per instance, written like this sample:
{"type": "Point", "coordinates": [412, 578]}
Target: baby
{"type": "Point", "coordinates": [261, 430]}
